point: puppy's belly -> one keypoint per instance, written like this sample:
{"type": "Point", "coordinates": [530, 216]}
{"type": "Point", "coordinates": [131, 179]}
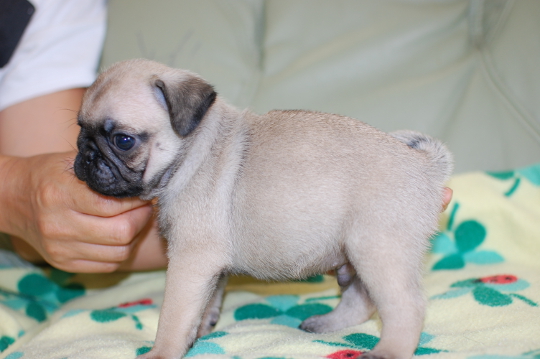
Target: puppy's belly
{"type": "Point", "coordinates": [286, 256]}
{"type": "Point", "coordinates": [289, 229]}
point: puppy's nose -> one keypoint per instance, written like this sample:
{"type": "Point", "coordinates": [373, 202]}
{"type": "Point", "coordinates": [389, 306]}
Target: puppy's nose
{"type": "Point", "coordinates": [89, 152]}
{"type": "Point", "coordinates": [89, 156]}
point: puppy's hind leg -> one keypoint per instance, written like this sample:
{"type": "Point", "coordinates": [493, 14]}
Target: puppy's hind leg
{"type": "Point", "coordinates": [391, 273]}
{"type": "Point", "coordinates": [354, 308]}
{"type": "Point", "coordinates": [213, 310]}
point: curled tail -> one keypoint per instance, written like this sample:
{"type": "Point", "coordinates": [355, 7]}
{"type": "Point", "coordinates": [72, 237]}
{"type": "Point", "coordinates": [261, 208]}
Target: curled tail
{"type": "Point", "coordinates": [440, 157]}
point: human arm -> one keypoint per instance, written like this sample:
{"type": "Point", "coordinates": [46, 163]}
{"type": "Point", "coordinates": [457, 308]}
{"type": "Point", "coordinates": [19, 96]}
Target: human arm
{"type": "Point", "coordinates": [43, 124]}
{"type": "Point", "coordinates": [50, 215]}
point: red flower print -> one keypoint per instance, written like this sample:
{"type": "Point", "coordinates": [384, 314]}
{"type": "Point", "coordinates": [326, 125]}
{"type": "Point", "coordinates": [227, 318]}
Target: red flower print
{"type": "Point", "coordinates": [146, 301]}
{"type": "Point", "coordinates": [345, 354]}
{"type": "Point", "coordinates": [499, 279]}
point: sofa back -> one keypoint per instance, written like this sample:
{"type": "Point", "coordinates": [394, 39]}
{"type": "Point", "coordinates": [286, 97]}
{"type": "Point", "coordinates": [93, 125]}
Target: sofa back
{"type": "Point", "coordinates": [467, 72]}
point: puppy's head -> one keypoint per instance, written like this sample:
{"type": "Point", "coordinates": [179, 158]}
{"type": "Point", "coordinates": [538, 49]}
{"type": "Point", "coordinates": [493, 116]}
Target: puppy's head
{"type": "Point", "coordinates": [134, 121]}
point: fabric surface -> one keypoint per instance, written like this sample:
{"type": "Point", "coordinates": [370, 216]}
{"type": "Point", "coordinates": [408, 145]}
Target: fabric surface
{"type": "Point", "coordinates": [482, 280]}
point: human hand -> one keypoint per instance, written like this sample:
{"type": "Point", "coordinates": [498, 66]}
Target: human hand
{"type": "Point", "coordinates": [447, 197]}
{"type": "Point", "coordinates": [68, 225]}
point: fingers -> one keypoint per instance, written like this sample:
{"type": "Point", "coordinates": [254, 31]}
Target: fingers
{"type": "Point", "coordinates": [96, 244]}
{"type": "Point", "coordinates": [447, 197]}
{"type": "Point", "coordinates": [92, 203]}
{"type": "Point", "coordinates": [113, 231]}
{"type": "Point", "coordinates": [69, 255]}
{"type": "Point", "coordinates": [82, 257]}
{"type": "Point", "coordinates": [86, 266]}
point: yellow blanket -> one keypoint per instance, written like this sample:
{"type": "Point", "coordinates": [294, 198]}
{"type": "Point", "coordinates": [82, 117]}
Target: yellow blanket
{"type": "Point", "coordinates": [482, 280]}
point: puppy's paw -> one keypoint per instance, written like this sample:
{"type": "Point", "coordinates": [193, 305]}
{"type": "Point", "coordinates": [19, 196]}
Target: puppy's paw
{"type": "Point", "coordinates": [327, 323]}
{"type": "Point", "coordinates": [208, 322]}
{"type": "Point", "coordinates": [370, 355]}
{"type": "Point", "coordinates": [315, 324]}
{"type": "Point", "coordinates": [384, 354]}
{"type": "Point", "coordinates": [150, 356]}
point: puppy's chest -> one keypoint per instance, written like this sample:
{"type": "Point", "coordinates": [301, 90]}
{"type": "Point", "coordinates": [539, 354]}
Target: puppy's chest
{"type": "Point", "coordinates": [195, 214]}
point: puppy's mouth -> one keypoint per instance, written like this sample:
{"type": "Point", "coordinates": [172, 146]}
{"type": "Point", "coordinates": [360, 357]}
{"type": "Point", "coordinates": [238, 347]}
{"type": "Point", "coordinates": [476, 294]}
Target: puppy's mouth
{"type": "Point", "coordinates": [105, 173]}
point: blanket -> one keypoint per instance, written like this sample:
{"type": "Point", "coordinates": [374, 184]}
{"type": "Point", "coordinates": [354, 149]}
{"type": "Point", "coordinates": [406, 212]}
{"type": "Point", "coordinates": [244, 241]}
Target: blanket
{"type": "Point", "coordinates": [482, 280]}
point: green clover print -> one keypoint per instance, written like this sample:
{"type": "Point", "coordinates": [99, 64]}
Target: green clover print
{"type": "Point", "coordinates": [121, 311]}
{"type": "Point", "coordinates": [493, 291]}
{"type": "Point", "coordinates": [40, 296]}
{"type": "Point", "coordinates": [534, 354]}
{"type": "Point", "coordinates": [362, 341]}
{"type": "Point", "coordinates": [282, 309]}
{"type": "Point", "coordinates": [202, 346]}
{"type": "Point", "coordinates": [532, 174]}
{"type": "Point", "coordinates": [467, 237]}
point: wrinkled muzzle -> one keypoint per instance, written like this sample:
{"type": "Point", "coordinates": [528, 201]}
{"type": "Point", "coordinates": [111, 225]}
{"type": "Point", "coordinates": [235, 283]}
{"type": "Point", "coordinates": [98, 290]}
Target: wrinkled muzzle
{"type": "Point", "coordinates": [103, 174]}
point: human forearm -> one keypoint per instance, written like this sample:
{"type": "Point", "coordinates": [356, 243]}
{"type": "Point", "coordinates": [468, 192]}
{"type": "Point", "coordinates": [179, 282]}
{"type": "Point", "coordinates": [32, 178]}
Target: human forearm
{"type": "Point", "coordinates": [39, 125]}
{"type": "Point", "coordinates": [43, 124]}
{"type": "Point", "coordinates": [11, 194]}
{"type": "Point", "coordinates": [10, 201]}
{"type": "Point", "coordinates": [149, 252]}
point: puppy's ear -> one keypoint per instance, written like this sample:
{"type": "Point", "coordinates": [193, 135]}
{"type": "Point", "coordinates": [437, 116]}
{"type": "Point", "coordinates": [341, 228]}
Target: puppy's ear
{"type": "Point", "coordinates": [187, 102]}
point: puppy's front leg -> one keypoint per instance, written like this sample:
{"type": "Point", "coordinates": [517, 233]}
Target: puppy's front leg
{"type": "Point", "coordinates": [191, 281]}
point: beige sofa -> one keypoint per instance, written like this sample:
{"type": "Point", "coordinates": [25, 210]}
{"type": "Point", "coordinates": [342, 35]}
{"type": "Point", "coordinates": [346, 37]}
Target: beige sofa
{"type": "Point", "coordinates": [465, 71]}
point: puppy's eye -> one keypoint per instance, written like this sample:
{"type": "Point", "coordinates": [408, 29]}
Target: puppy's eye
{"type": "Point", "coordinates": [124, 142]}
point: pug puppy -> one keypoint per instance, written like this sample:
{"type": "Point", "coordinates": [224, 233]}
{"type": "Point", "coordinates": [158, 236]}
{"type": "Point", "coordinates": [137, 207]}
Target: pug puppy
{"type": "Point", "coordinates": [278, 196]}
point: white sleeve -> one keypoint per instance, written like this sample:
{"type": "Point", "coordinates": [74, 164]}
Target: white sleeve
{"type": "Point", "coordinates": [59, 50]}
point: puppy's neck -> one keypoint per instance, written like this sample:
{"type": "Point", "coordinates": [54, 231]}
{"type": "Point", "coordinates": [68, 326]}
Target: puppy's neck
{"type": "Point", "coordinates": [210, 152]}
